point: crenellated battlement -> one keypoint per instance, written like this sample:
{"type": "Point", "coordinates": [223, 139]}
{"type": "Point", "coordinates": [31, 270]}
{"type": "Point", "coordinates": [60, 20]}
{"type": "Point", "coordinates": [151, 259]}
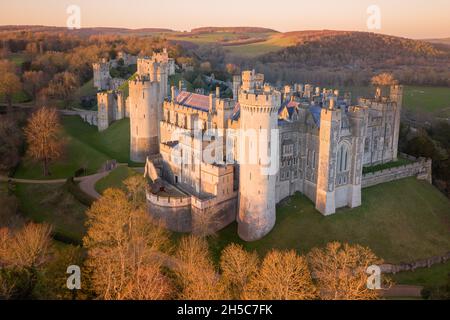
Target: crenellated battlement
{"type": "Point", "coordinates": [261, 101]}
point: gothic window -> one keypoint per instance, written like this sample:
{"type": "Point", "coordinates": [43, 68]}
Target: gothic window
{"type": "Point", "coordinates": [367, 145]}
{"type": "Point", "coordinates": [313, 159]}
{"type": "Point", "coordinates": [343, 158]}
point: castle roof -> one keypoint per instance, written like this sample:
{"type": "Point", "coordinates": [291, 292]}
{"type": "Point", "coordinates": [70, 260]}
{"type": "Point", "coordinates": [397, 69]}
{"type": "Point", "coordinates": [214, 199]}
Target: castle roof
{"type": "Point", "coordinates": [236, 112]}
{"type": "Point", "coordinates": [316, 111]}
{"type": "Point", "coordinates": [193, 100]}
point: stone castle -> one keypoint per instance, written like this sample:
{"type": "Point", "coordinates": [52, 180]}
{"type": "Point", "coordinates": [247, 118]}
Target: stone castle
{"type": "Point", "coordinates": [111, 101]}
{"type": "Point", "coordinates": [215, 161]}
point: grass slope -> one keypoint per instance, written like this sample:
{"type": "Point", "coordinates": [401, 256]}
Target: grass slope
{"type": "Point", "coordinates": [114, 142]}
{"type": "Point", "coordinates": [274, 43]}
{"type": "Point", "coordinates": [85, 147]}
{"type": "Point", "coordinates": [55, 205]}
{"type": "Point", "coordinates": [115, 179]}
{"type": "Point", "coordinates": [400, 221]}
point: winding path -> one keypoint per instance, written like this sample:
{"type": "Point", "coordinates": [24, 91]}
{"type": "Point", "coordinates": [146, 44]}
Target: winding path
{"type": "Point", "coordinates": [87, 183]}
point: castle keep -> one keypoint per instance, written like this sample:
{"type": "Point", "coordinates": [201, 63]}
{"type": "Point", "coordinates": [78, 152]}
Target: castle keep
{"type": "Point", "coordinates": [213, 161]}
{"type": "Point", "coordinates": [152, 72]}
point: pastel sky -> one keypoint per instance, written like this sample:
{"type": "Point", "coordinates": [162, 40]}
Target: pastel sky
{"type": "Point", "coordinates": [409, 18]}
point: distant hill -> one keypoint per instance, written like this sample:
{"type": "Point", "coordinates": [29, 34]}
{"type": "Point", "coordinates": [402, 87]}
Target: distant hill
{"type": "Point", "coordinates": [439, 41]}
{"type": "Point", "coordinates": [350, 48]}
{"type": "Point", "coordinates": [233, 30]}
{"type": "Point", "coordinates": [85, 31]}
{"type": "Point", "coordinates": [349, 57]}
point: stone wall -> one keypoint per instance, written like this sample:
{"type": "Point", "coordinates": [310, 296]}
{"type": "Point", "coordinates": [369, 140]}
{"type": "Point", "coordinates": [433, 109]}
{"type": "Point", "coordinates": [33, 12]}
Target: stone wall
{"type": "Point", "coordinates": [180, 214]}
{"type": "Point", "coordinates": [424, 263]}
{"type": "Point", "coordinates": [420, 168]}
{"type": "Point", "coordinates": [174, 213]}
{"type": "Point", "coordinates": [86, 115]}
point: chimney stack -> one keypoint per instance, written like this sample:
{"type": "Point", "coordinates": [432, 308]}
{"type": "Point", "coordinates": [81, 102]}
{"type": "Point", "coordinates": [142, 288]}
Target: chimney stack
{"type": "Point", "coordinates": [218, 92]}
{"type": "Point", "coordinates": [332, 104]}
{"type": "Point", "coordinates": [173, 91]}
{"type": "Point", "coordinates": [212, 103]}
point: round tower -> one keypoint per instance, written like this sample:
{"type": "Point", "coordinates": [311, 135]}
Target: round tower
{"type": "Point", "coordinates": [144, 104]}
{"type": "Point", "coordinates": [258, 163]}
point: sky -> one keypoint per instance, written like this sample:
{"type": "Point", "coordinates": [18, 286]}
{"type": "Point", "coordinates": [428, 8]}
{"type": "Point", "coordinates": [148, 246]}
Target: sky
{"type": "Point", "coordinates": [417, 19]}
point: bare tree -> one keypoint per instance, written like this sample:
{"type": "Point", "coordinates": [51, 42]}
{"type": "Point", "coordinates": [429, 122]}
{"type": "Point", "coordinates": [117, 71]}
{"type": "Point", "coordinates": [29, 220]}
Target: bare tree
{"type": "Point", "coordinates": [196, 274]}
{"type": "Point", "coordinates": [238, 266]}
{"type": "Point", "coordinates": [28, 247]}
{"type": "Point", "coordinates": [22, 254]}
{"type": "Point", "coordinates": [122, 244]}
{"type": "Point", "coordinates": [136, 186]}
{"type": "Point", "coordinates": [282, 276]}
{"type": "Point", "coordinates": [340, 271]}
{"type": "Point", "coordinates": [42, 135]}
{"type": "Point", "coordinates": [204, 223]}
{"type": "Point", "coordinates": [384, 79]}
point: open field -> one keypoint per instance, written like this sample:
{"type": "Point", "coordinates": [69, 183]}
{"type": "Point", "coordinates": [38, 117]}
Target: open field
{"type": "Point", "coordinates": [428, 99]}
{"type": "Point", "coordinates": [221, 37]}
{"type": "Point", "coordinates": [115, 179]}
{"type": "Point", "coordinates": [274, 43]}
{"type": "Point", "coordinates": [55, 205]}
{"type": "Point", "coordinates": [400, 221]}
{"type": "Point", "coordinates": [85, 148]}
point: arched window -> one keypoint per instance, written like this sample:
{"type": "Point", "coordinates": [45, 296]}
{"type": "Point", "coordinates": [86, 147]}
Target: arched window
{"type": "Point", "coordinates": [343, 158]}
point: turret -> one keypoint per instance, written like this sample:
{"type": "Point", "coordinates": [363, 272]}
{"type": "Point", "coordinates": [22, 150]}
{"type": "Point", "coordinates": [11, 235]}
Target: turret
{"type": "Point", "coordinates": [101, 75]}
{"type": "Point", "coordinates": [396, 95]}
{"type": "Point", "coordinates": [145, 104]}
{"type": "Point", "coordinates": [330, 123]}
{"type": "Point", "coordinates": [258, 161]}
{"type": "Point", "coordinates": [106, 105]}
{"type": "Point", "coordinates": [236, 85]}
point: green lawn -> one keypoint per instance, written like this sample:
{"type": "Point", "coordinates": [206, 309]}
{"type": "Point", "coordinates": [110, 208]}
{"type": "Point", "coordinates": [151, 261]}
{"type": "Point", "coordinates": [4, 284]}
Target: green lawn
{"type": "Point", "coordinates": [115, 179]}
{"type": "Point", "coordinates": [85, 148]}
{"type": "Point", "coordinates": [55, 205]}
{"type": "Point", "coordinates": [427, 99]}
{"type": "Point", "coordinates": [400, 221]}
{"type": "Point", "coordinates": [437, 275]}
{"type": "Point", "coordinates": [114, 142]}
